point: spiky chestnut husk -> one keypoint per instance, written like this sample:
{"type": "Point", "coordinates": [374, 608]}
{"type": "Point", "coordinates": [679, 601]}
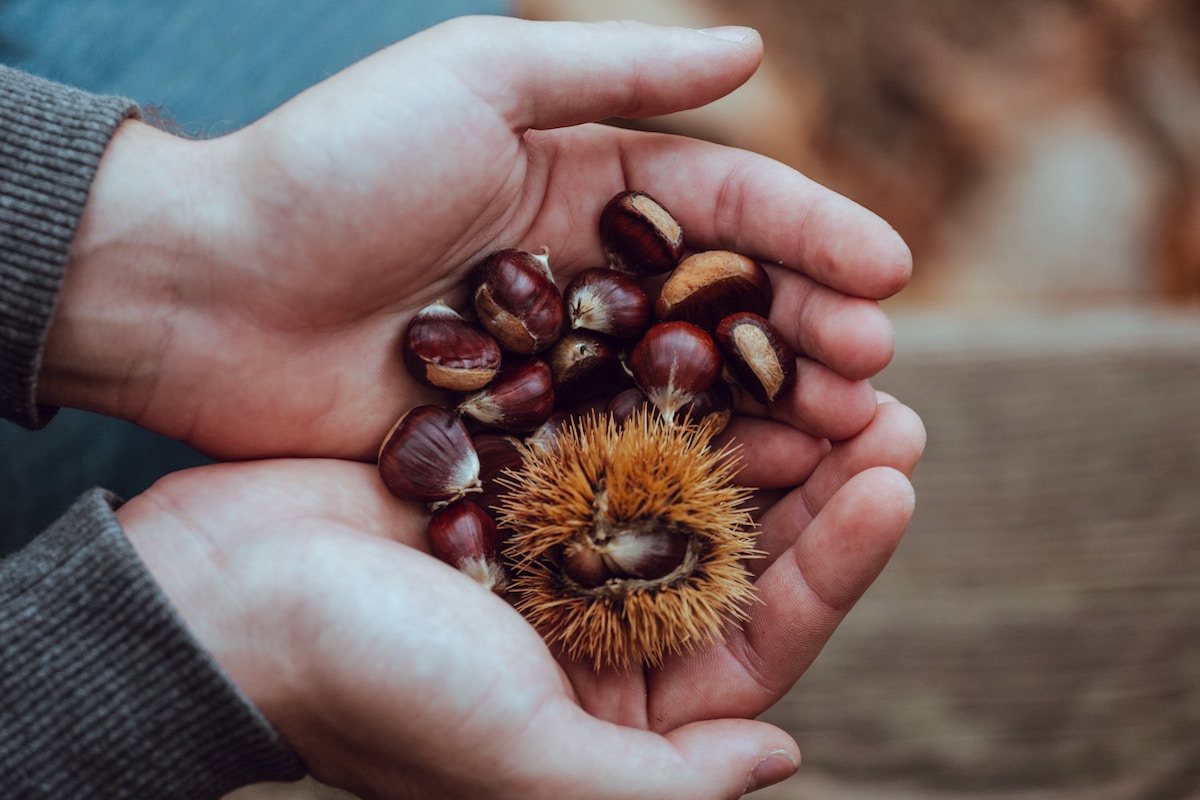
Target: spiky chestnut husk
{"type": "Point", "coordinates": [605, 478]}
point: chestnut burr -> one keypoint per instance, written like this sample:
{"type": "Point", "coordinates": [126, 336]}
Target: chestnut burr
{"type": "Point", "coordinates": [639, 235]}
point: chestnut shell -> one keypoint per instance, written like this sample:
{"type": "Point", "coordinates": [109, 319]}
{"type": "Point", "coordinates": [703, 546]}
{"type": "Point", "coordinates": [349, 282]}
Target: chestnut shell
{"type": "Point", "coordinates": [428, 457]}
{"type": "Point", "coordinates": [517, 301]}
{"type": "Point", "coordinates": [707, 287]}
{"type": "Point", "coordinates": [639, 235]}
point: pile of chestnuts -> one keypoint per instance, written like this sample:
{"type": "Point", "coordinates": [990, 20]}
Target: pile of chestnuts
{"type": "Point", "coordinates": [655, 339]}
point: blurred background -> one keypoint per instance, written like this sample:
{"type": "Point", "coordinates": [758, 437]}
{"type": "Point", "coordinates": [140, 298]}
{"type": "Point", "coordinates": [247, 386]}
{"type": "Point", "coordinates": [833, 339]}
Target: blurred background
{"type": "Point", "coordinates": [1037, 636]}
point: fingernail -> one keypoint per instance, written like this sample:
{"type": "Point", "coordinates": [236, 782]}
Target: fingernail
{"type": "Point", "coordinates": [730, 33]}
{"type": "Point", "coordinates": [777, 767]}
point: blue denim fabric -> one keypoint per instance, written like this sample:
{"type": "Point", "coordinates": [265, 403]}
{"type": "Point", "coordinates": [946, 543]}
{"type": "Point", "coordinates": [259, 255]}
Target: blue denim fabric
{"type": "Point", "coordinates": [212, 66]}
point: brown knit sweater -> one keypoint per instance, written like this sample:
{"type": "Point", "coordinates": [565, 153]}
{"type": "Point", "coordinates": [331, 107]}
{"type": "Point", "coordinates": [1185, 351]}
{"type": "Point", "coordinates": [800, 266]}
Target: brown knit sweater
{"type": "Point", "coordinates": [103, 691]}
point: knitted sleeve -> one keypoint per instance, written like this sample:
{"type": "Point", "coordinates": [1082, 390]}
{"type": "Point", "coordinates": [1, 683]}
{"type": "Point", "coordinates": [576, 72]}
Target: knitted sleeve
{"type": "Point", "coordinates": [51, 140]}
{"type": "Point", "coordinates": [103, 692]}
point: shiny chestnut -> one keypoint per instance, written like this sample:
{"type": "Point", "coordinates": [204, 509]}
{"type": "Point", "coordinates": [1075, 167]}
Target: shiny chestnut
{"type": "Point", "coordinates": [712, 407]}
{"type": "Point", "coordinates": [464, 535]}
{"type": "Point", "coordinates": [757, 355]}
{"type": "Point", "coordinates": [622, 405]}
{"type": "Point", "coordinates": [444, 350]}
{"type": "Point", "coordinates": [517, 301]}
{"type": "Point", "coordinates": [519, 399]}
{"type": "Point", "coordinates": [607, 301]}
{"type": "Point", "coordinates": [648, 550]}
{"type": "Point", "coordinates": [639, 235]}
{"type": "Point", "coordinates": [707, 287]}
{"type": "Point", "coordinates": [584, 364]}
{"type": "Point", "coordinates": [498, 453]}
{"type": "Point", "coordinates": [428, 457]}
{"type": "Point", "coordinates": [674, 362]}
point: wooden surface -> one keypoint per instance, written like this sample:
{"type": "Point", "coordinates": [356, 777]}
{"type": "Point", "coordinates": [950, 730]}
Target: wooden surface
{"type": "Point", "coordinates": [1037, 634]}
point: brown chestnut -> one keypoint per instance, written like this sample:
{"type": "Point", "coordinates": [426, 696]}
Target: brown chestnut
{"type": "Point", "coordinates": [427, 457]}
{"type": "Point", "coordinates": [707, 287]}
{"type": "Point", "coordinates": [639, 235]}
{"type": "Point", "coordinates": [674, 362]}
{"type": "Point", "coordinates": [607, 301]}
{"type": "Point", "coordinates": [517, 301]}
{"type": "Point", "coordinates": [518, 400]}
{"type": "Point", "coordinates": [444, 350]}
{"type": "Point", "coordinates": [646, 550]}
{"type": "Point", "coordinates": [498, 452]}
{"type": "Point", "coordinates": [712, 407]}
{"type": "Point", "coordinates": [546, 435]}
{"type": "Point", "coordinates": [761, 361]}
{"type": "Point", "coordinates": [584, 364]}
{"type": "Point", "coordinates": [464, 535]}
{"type": "Point", "coordinates": [622, 405]}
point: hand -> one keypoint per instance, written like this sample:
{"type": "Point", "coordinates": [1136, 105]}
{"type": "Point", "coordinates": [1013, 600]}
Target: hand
{"type": "Point", "coordinates": [393, 675]}
{"type": "Point", "coordinates": [247, 294]}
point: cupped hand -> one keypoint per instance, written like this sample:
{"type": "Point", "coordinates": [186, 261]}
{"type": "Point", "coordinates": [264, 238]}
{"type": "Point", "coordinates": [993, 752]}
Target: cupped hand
{"type": "Point", "coordinates": [247, 294]}
{"type": "Point", "coordinates": [393, 675]}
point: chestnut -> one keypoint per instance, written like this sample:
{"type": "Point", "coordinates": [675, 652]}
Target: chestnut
{"type": "Point", "coordinates": [712, 407]}
{"type": "Point", "coordinates": [607, 301]}
{"type": "Point", "coordinates": [707, 287]}
{"type": "Point", "coordinates": [674, 362]}
{"type": "Point", "coordinates": [546, 435]}
{"type": "Point", "coordinates": [584, 364]}
{"type": "Point", "coordinates": [444, 350]}
{"type": "Point", "coordinates": [761, 361]}
{"type": "Point", "coordinates": [498, 452]}
{"type": "Point", "coordinates": [622, 405]}
{"type": "Point", "coordinates": [639, 235]}
{"type": "Point", "coordinates": [517, 301]}
{"type": "Point", "coordinates": [518, 400]}
{"type": "Point", "coordinates": [464, 535]}
{"type": "Point", "coordinates": [645, 551]}
{"type": "Point", "coordinates": [427, 457]}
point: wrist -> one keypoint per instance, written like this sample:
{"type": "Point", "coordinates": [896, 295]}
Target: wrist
{"type": "Point", "coordinates": [118, 308]}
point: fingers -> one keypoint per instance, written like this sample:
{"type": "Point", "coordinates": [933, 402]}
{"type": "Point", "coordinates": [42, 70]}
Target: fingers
{"type": "Point", "coordinates": [894, 438]}
{"type": "Point", "coordinates": [712, 759]}
{"type": "Point", "coordinates": [825, 403]}
{"type": "Point", "coordinates": [807, 591]}
{"type": "Point", "coordinates": [849, 334]}
{"type": "Point", "coordinates": [556, 74]}
{"type": "Point", "coordinates": [772, 454]}
{"type": "Point", "coordinates": [803, 596]}
{"type": "Point", "coordinates": [732, 199]}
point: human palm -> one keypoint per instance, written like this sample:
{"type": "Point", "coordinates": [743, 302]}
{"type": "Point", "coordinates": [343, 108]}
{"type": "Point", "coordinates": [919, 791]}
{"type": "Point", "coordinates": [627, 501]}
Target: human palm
{"type": "Point", "coordinates": [321, 229]}
{"type": "Point", "coordinates": [393, 675]}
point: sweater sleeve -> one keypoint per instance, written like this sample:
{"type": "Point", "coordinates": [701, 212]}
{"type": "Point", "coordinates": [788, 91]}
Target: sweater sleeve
{"type": "Point", "coordinates": [51, 140]}
{"type": "Point", "coordinates": [103, 693]}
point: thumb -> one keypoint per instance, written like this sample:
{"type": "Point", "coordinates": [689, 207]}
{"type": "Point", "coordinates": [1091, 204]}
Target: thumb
{"type": "Point", "coordinates": [708, 760]}
{"type": "Point", "coordinates": [737, 756]}
{"type": "Point", "coordinates": [556, 74]}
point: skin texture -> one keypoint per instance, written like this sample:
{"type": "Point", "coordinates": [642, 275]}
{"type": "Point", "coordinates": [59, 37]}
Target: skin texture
{"type": "Point", "coordinates": [247, 295]}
